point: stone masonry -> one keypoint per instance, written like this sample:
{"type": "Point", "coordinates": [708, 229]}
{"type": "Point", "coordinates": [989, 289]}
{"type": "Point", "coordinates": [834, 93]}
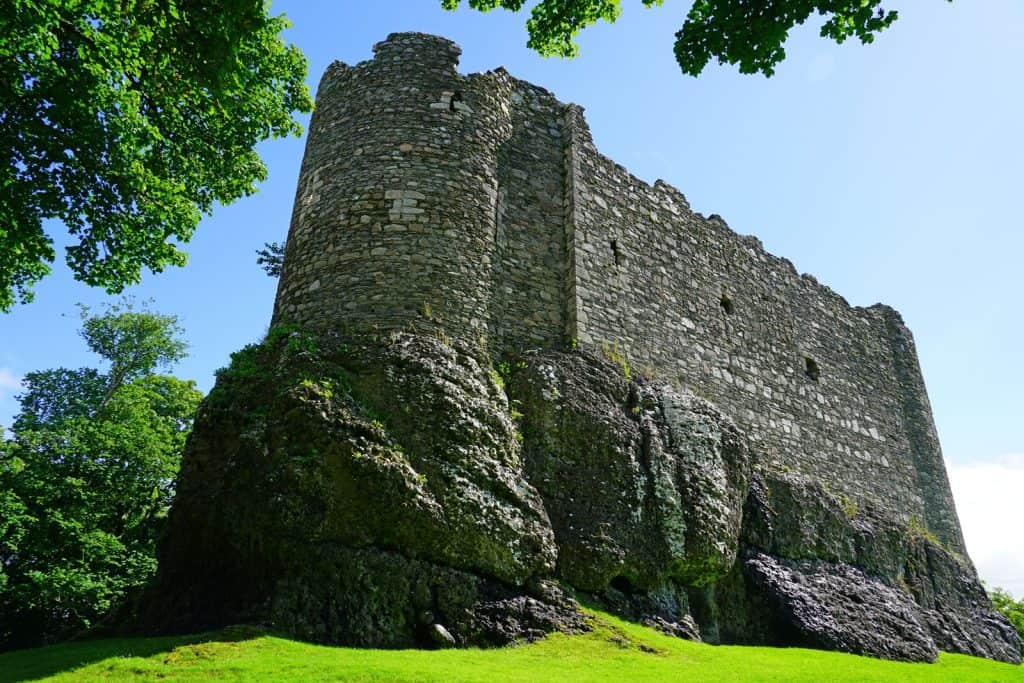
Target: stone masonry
{"type": "Point", "coordinates": [477, 207]}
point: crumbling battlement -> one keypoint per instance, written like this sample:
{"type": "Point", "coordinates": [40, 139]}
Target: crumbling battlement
{"type": "Point", "coordinates": [479, 205]}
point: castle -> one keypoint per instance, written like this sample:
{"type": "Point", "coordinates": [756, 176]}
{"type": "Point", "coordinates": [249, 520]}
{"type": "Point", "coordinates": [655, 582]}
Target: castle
{"type": "Point", "coordinates": [478, 204]}
{"type": "Point", "coordinates": [428, 449]}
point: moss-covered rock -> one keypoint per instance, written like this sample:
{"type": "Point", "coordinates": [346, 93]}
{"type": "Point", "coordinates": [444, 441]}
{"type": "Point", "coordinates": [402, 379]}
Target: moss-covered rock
{"type": "Point", "coordinates": [644, 485]}
{"type": "Point", "coordinates": [343, 493]}
{"type": "Point", "coordinates": [954, 604]}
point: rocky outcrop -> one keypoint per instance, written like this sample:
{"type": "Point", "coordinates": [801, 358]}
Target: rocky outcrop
{"type": "Point", "coordinates": [843, 576]}
{"type": "Point", "coordinates": [644, 485]}
{"type": "Point", "coordinates": [652, 493]}
{"type": "Point", "coordinates": [401, 492]}
{"type": "Point", "coordinates": [838, 607]}
{"type": "Point", "coordinates": [954, 606]}
{"type": "Point", "coordinates": [357, 495]}
{"type": "Point", "coordinates": [641, 483]}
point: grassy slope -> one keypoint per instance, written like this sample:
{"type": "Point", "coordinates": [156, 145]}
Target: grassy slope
{"type": "Point", "coordinates": [615, 651]}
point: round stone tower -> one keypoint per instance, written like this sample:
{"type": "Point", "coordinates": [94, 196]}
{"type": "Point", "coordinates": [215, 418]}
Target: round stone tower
{"type": "Point", "coordinates": [394, 217]}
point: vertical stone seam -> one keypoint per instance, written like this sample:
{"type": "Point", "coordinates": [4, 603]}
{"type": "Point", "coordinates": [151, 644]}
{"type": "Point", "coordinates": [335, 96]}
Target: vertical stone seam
{"type": "Point", "coordinates": [573, 114]}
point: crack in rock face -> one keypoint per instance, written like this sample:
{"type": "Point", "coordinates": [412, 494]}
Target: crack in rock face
{"type": "Point", "coordinates": [399, 492]}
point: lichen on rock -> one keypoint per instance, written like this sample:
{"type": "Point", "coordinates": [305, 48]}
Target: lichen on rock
{"type": "Point", "coordinates": [835, 606]}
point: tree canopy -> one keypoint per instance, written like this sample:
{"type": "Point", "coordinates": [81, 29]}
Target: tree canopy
{"type": "Point", "coordinates": [87, 477]}
{"type": "Point", "coordinates": [126, 120]}
{"type": "Point", "coordinates": [746, 33]}
{"type": "Point", "coordinates": [133, 342]}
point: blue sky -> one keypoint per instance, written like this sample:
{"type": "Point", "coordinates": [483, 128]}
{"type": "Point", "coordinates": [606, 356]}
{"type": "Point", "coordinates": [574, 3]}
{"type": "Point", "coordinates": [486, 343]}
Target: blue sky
{"type": "Point", "coordinates": [891, 172]}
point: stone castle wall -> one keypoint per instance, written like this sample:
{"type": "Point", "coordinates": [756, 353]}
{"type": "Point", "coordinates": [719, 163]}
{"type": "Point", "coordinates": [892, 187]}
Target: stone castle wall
{"type": "Point", "coordinates": [478, 204]}
{"type": "Point", "coordinates": [821, 387]}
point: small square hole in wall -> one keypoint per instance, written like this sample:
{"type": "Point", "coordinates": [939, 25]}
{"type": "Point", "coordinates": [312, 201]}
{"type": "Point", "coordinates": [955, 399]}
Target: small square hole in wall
{"type": "Point", "coordinates": [811, 368]}
{"type": "Point", "coordinates": [456, 97]}
{"type": "Point", "coordinates": [726, 304]}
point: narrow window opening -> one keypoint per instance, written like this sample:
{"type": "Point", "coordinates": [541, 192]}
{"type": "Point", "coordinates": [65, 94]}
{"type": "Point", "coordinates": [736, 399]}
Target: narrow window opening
{"type": "Point", "coordinates": [726, 303]}
{"type": "Point", "coordinates": [616, 255]}
{"type": "Point", "coordinates": [811, 368]}
{"type": "Point", "coordinates": [456, 97]}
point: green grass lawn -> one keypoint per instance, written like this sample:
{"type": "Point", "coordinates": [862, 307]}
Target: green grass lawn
{"type": "Point", "coordinates": [614, 651]}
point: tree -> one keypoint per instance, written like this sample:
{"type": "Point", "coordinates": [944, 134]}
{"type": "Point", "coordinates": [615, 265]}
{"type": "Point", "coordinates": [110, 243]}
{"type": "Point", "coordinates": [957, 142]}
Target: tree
{"type": "Point", "coordinates": [126, 121]}
{"type": "Point", "coordinates": [87, 477]}
{"type": "Point", "coordinates": [750, 33]}
{"type": "Point", "coordinates": [133, 342]}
